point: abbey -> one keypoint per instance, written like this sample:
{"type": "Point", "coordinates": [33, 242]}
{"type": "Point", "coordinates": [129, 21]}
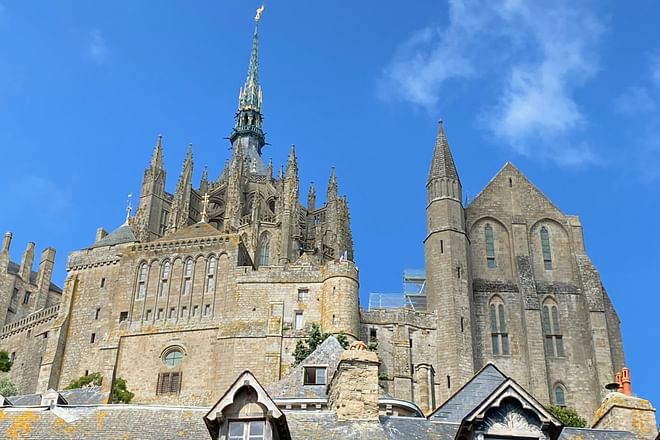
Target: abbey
{"type": "Point", "coordinates": [228, 274]}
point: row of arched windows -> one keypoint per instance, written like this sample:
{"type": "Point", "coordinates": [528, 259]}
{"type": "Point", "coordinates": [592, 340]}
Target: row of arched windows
{"type": "Point", "coordinates": [554, 345]}
{"type": "Point", "coordinates": [490, 247]}
{"type": "Point", "coordinates": [165, 274]}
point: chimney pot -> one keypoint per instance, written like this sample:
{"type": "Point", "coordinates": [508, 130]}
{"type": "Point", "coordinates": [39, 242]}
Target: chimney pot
{"type": "Point", "coordinates": [625, 381]}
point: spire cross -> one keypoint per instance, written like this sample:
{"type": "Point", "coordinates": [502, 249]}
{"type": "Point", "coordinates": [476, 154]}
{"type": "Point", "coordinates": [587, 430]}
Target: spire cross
{"type": "Point", "coordinates": [205, 207]}
{"type": "Point", "coordinates": [257, 17]}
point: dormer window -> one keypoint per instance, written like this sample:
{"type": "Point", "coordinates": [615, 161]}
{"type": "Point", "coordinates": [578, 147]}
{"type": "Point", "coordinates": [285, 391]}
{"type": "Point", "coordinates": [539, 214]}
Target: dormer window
{"type": "Point", "coordinates": [246, 430]}
{"type": "Point", "coordinates": [314, 376]}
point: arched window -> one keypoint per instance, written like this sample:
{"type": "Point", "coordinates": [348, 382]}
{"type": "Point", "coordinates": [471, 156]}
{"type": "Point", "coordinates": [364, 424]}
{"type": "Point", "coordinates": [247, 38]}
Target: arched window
{"type": "Point", "coordinates": [545, 248]}
{"type": "Point", "coordinates": [169, 381]}
{"type": "Point", "coordinates": [187, 277]}
{"type": "Point", "coordinates": [165, 278]}
{"type": "Point", "coordinates": [264, 250]}
{"type": "Point", "coordinates": [142, 280]}
{"type": "Point", "coordinates": [490, 246]}
{"type": "Point", "coordinates": [560, 395]}
{"type": "Point", "coordinates": [498, 331]}
{"type": "Point", "coordinates": [172, 357]}
{"type": "Point", "coordinates": [554, 343]}
{"type": "Point", "coordinates": [210, 274]}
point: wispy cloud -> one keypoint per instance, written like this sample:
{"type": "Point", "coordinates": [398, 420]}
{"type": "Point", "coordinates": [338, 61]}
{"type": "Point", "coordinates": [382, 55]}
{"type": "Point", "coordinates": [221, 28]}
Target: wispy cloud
{"type": "Point", "coordinates": [634, 101]}
{"type": "Point", "coordinates": [535, 53]}
{"type": "Point", "coordinates": [96, 48]}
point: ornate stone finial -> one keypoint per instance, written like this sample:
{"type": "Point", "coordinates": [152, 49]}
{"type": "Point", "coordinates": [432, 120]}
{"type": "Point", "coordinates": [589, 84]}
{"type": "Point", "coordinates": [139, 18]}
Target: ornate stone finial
{"type": "Point", "coordinates": [205, 207]}
{"type": "Point", "coordinates": [359, 346]}
{"type": "Point", "coordinates": [129, 208]}
{"type": "Point", "coordinates": [260, 10]}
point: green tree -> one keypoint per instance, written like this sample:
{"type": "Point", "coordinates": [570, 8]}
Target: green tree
{"type": "Point", "coordinates": [5, 363]}
{"type": "Point", "coordinates": [7, 387]}
{"type": "Point", "coordinates": [93, 379]}
{"type": "Point", "coordinates": [567, 416]}
{"type": "Point", "coordinates": [314, 338]}
{"type": "Point", "coordinates": [120, 393]}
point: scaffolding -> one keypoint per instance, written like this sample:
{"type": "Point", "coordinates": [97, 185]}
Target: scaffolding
{"type": "Point", "coordinates": [413, 296]}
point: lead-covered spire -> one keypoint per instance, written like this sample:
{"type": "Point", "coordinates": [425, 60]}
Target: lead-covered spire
{"type": "Point", "coordinates": [248, 117]}
{"type": "Point", "coordinates": [442, 163]}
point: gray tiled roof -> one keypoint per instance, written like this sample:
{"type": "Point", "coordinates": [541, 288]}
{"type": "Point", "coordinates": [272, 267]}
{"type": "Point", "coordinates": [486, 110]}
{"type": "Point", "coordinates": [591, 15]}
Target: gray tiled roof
{"type": "Point", "coordinates": [121, 235]}
{"type": "Point", "coordinates": [470, 395]}
{"type": "Point", "coordinates": [291, 385]}
{"type": "Point", "coordinates": [595, 434]}
{"type": "Point", "coordinates": [13, 268]}
{"type": "Point", "coordinates": [78, 396]}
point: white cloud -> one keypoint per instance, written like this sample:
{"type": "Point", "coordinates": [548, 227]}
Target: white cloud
{"type": "Point", "coordinates": [634, 101]}
{"type": "Point", "coordinates": [97, 49]}
{"type": "Point", "coordinates": [533, 54]}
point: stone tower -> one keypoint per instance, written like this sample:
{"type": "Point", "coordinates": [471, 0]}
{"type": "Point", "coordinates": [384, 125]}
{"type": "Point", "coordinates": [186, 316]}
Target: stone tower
{"type": "Point", "coordinates": [446, 258]}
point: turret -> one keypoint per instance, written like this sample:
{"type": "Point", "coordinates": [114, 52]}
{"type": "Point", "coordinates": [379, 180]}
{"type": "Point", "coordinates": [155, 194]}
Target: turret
{"type": "Point", "coordinates": [26, 262]}
{"type": "Point", "coordinates": [311, 198]}
{"type": "Point", "coordinates": [446, 253]}
{"type": "Point", "coordinates": [289, 214]}
{"type": "Point", "coordinates": [151, 216]}
{"type": "Point", "coordinates": [181, 203]}
{"type": "Point", "coordinates": [44, 275]}
{"type": "Point", "coordinates": [340, 304]}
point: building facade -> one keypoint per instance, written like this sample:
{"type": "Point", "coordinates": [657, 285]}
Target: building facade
{"type": "Point", "coordinates": [228, 274]}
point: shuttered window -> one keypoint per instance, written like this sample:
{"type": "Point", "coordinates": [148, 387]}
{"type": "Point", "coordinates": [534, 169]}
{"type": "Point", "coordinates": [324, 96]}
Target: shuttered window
{"type": "Point", "coordinates": [169, 383]}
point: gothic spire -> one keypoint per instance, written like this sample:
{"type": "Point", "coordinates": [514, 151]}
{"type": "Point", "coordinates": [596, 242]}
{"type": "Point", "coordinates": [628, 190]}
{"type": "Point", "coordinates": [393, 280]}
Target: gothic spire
{"type": "Point", "coordinates": [248, 117]}
{"type": "Point", "coordinates": [157, 156]}
{"type": "Point", "coordinates": [332, 185]}
{"type": "Point", "coordinates": [442, 163]}
{"type": "Point", "coordinates": [311, 198]}
{"type": "Point", "coordinates": [204, 181]}
{"type": "Point", "coordinates": [292, 164]}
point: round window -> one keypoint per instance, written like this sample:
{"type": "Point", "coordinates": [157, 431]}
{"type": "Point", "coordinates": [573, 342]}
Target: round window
{"type": "Point", "coordinates": [173, 357]}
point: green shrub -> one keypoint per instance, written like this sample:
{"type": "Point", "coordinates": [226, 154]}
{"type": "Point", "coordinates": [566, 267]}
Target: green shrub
{"type": "Point", "coordinates": [314, 338]}
{"type": "Point", "coordinates": [7, 387]}
{"type": "Point", "coordinates": [93, 379]}
{"type": "Point", "coordinates": [120, 393]}
{"type": "Point", "coordinates": [567, 416]}
{"type": "Point", "coordinates": [5, 363]}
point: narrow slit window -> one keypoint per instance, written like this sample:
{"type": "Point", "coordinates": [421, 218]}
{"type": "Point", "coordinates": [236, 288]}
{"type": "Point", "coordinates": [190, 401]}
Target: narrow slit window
{"type": "Point", "coordinates": [142, 281]}
{"type": "Point", "coordinates": [187, 277]}
{"type": "Point", "coordinates": [545, 249]}
{"type": "Point", "coordinates": [165, 279]}
{"type": "Point", "coordinates": [210, 275]}
{"type": "Point", "coordinates": [490, 246]}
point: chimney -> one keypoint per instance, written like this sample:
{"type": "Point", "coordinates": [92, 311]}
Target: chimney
{"type": "Point", "coordinates": [353, 390]}
{"type": "Point", "coordinates": [6, 242]}
{"type": "Point", "coordinates": [100, 233]}
{"type": "Point", "coordinates": [623, 412]}
{"type": "Point", "coordinates": [26, 262]}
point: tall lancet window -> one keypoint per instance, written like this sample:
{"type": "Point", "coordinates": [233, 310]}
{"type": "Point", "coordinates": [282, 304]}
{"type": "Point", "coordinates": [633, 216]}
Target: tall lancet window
{"type": "Point", "coordinates": [554, 341]}
{"type": "Point", "coordinates": [264, 249]}
{"type": "Point", "coordinates": [187, 277]}
{"type": "Point", "coordinates": [498, 331]}
{"type": "Point", "coordinates": [545, 248]}
{"type": "Point", "coordinates": [142, 280]}
{"type": "Point", "coordinates": [210, 275]}
{"type": "Point", "coordinates": [490, 246]}
{"type": "Point", "coordinates": [165, 279]}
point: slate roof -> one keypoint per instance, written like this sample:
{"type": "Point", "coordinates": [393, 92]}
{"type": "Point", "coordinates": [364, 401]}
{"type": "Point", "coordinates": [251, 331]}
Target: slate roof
{"type": "Point", "coordinates": [121, 235]}
{"type": "Point", "coordinates": [595, 434]}
{"type": "Point", "coordinates": [291, 385]}
{"type": "Point", "coordinates": [198, 230]}
{"type": "Point", "coordinates": [470, 395]}
{"type": "Point", "coordinates": [442, 162]}
{"type": "Point", "coordinates": [13, 268]}
{"type": "Point", "coordinates": [79, 396]}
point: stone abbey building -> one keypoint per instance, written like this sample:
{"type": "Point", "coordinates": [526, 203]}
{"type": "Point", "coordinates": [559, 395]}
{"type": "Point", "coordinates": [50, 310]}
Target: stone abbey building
{"type": "Point", "coordinates": [227, 275]}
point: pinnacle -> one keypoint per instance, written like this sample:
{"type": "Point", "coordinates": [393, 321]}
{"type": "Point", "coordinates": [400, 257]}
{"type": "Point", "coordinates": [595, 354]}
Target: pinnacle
{"type": "Point", "coordinates": [442, 163]}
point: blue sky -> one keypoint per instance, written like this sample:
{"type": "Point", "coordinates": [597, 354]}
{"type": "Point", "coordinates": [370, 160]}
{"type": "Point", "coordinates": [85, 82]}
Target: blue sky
{"type": "Point", "coordinates": [569, 92]}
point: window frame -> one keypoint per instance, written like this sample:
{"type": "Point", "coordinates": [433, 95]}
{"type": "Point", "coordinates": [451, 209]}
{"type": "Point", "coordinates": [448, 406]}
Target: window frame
{"type": "Point", "coordinates": [245, 435]}
{"type": "Point", "coordinates": [499, 334]}
{"type": "Point", "coordinates": [546, 249]}
{"type": "Point", "coordinates": [317, 369]}
{"type": "Point", "coordinates": [489, 238]}
{"type": "Point", "coordinates": [552, 334]}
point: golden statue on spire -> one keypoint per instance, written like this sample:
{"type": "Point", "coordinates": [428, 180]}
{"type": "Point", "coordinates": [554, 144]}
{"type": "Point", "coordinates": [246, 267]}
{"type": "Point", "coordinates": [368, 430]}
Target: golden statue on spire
{"type": "Point", "coordinates": [260, 9]}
